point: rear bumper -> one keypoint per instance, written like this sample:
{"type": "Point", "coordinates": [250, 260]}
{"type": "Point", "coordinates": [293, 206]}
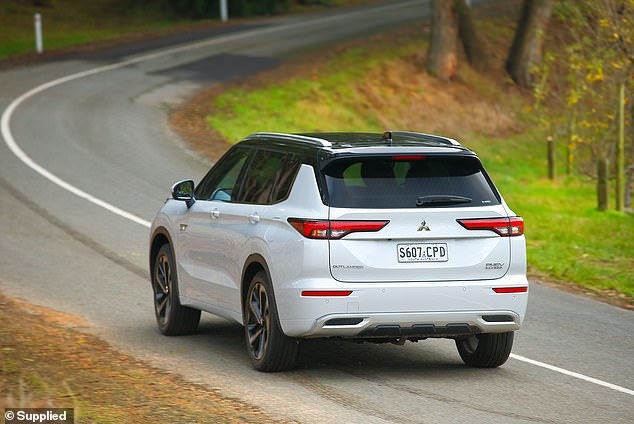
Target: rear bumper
{"type": "Point", "coordinates": [402, 310]}
{"type": "Point", "coordinates": [409, 325]}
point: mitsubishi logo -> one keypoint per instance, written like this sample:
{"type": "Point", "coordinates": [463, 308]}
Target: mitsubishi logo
{"type": "Point", "coordinates": [423, 226]}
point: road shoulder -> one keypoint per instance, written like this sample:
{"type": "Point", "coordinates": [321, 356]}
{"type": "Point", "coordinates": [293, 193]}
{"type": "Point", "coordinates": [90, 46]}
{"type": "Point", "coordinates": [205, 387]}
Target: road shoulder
{"type": "Point", "coordinates": [48, 361]}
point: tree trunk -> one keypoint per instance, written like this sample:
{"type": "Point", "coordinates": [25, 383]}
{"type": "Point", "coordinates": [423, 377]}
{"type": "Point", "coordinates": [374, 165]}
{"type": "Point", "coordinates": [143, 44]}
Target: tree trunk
{"type": "Point", "coordinates": [572, 131]}
{"type": "Point", "coordinates": [602, 184]}
{"type": "Point", "coordinates": [552, 174]}
{"type": "Point", "coordinates": [473, 48]}
{"type": "Point", "coordinates": [526, 50]}
{"type": "Point", "coordinates": [620, 153]}
{"type": "Point", "coordinates": [442, 59]}
{"type": "Point", "coordinates": [629, 174]}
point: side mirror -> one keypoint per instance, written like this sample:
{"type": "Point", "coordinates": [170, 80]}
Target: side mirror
{"type": "Point", "coordinates": [184, 191]}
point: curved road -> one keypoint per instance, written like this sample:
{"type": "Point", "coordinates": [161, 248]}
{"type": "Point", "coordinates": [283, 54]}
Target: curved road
{"type": "Point", "coordinates": [86, 160]}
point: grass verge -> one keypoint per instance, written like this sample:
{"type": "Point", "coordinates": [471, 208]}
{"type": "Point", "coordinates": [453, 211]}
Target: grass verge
{"type": "Point", "coordinates": [380, 83]}
{"type": "Point", "coordinates": [66, 23]}
{"type": "Point", "coordinates": [47, 362]}
{"type": "Point", "coordinates": [568, 240]}
{"type": "Point", "coordinates": [88, 25]}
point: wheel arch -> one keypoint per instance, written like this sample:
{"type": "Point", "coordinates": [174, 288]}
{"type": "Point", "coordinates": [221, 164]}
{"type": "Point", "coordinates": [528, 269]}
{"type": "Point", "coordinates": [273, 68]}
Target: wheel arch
{"type": "Point", "coordinates": [254, 264]}
{"type": "Point", "coordinates": [159, 238]}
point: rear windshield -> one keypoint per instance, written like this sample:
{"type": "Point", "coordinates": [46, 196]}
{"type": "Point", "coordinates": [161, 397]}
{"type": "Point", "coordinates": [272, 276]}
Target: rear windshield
{"type": "Point", "coordinates": [408, 182]}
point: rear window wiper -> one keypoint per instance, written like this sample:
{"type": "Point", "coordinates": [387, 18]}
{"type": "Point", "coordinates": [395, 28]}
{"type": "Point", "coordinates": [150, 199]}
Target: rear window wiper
{"type": "Point", "coordinates": [441, 199]}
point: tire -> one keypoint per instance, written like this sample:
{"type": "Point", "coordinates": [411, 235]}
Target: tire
{"type": "Point", "coordinates": [485, 350]}
{"type": "Point", "coordinates": [269, 348]}
{"type": "Point", "coordinates": [172, 318]}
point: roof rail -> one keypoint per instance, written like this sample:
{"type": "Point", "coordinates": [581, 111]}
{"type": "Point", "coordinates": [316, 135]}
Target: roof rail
{"type": "Point", "coordinates": [294, 137]}
{"type": "Point", "coordinates": [388, 136]}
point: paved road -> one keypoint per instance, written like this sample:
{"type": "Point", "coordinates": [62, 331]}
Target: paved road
{"type": "Point", "coordinates": [103, 133]}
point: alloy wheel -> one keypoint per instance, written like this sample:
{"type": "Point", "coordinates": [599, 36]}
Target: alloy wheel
{"type": "Point", "coordinates": [258, 320]}
{"type": "Point", "coordinates": [162, 284]}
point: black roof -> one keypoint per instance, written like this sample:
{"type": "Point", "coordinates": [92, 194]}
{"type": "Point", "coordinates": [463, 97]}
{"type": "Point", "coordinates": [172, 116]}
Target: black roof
{"type": "Point", "coordinates": [332, 141]}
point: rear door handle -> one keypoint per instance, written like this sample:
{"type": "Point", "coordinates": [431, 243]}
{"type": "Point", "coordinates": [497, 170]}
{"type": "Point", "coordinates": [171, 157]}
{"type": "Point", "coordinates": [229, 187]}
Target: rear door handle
{"type": "Point", "coordinates": [254, 218]}
{"type": "Point", "coordinates": [214, 213]}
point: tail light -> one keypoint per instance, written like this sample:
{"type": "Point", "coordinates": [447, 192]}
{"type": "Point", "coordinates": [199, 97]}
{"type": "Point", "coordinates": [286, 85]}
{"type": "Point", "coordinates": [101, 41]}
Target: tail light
{"type": "Point", "coordinates": [506, 227]}
{"type": "Point", "coordinates": [330, 230]}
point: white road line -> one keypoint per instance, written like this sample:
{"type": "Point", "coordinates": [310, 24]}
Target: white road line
{"type": "Point", "coordinates": [17, 151]}
{"type": "Point", "coordinates": [5, 129]}
{"type": "Point", "coordinates": [573, 374]}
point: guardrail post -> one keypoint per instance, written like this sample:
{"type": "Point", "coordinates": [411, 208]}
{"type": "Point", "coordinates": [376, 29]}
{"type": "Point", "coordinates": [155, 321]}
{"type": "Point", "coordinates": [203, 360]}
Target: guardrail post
{"type": "Point", "coordinates": [224, 11]}
{"type": "Point", "coordinates": [38, 33]}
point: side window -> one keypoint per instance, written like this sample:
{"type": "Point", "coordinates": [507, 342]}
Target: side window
{"type": "Point", "coordinates": [285, 178]}
{"type": "Point", "coordinates": [269, 178]}
{"type": "Point", "coordinates": [221, 182]}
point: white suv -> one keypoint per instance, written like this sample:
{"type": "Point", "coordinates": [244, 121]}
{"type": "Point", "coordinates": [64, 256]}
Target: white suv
{"type": "Point", "coordinates": [358, 236]}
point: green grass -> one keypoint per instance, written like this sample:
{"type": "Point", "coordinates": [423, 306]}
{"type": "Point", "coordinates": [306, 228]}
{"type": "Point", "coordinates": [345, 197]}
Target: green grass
{"type": "Point", "coordinates": [568, 240]}
{"type": "Point", "coordinates": [71, 22]}
{"type": "Point", "coordinates": [324, 101]}
{"type": "Point", "coordinates": [74, 22]}
{"type": "Point", "coordinates": [276, 109]}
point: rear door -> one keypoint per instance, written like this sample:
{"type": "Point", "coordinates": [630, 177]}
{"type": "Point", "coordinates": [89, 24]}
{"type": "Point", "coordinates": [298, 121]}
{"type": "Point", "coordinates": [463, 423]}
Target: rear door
{"type": "Point", "coordinates": [423, 198]}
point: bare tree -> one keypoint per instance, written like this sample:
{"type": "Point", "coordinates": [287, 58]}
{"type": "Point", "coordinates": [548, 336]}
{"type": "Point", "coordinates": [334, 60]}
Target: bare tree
{"type": "Point", "coordinates": [473, 48]}
{"type": "Point", "coordinates": [442, 59]}
{"type": "Point", "coordinates": [526, 49]}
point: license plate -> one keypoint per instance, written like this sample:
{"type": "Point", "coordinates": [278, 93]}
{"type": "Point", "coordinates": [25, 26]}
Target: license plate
{"type": "Point", "coordinates": [422, 252]}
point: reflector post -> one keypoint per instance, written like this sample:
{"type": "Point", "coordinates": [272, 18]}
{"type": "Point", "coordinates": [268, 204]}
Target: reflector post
{"type": "Point", "coordinates": [326, 293]}
{"type": "Point", "coordinates": [523, 289]}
